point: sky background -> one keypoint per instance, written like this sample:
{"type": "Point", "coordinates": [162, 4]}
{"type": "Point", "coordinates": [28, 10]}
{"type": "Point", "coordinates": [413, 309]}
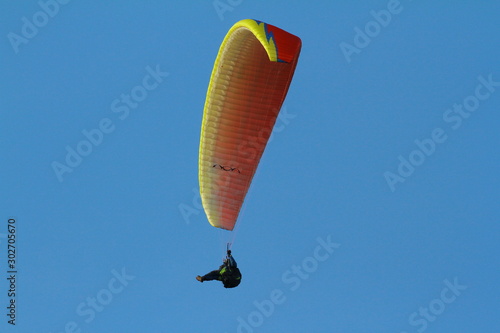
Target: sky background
{"type": "Point", "coordinates": [115, 244]}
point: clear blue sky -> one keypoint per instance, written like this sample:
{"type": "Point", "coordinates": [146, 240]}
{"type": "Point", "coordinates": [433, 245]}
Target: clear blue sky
{"type": "Point", "coordinates": [374, 209]}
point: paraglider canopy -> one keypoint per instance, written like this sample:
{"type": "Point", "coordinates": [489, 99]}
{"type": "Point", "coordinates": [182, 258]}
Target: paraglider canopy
{"type": "Point", "coordinates": [249, 82]}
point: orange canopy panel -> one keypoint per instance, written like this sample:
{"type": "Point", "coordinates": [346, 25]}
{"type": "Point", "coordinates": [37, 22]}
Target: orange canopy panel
{"type": "Point", "coordinates": [249, 82]}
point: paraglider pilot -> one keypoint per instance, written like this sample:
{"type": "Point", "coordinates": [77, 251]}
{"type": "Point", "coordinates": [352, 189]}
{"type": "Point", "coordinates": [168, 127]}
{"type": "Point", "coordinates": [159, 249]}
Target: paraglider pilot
{"type": "Point", "coordinates": [228, 273]}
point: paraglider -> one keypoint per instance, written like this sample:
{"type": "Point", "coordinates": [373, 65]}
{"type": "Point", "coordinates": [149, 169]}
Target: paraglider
{"type": "Point", "coordinates": [228, 273]}
{"type": "Point", "coordinates": [249, 82]}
